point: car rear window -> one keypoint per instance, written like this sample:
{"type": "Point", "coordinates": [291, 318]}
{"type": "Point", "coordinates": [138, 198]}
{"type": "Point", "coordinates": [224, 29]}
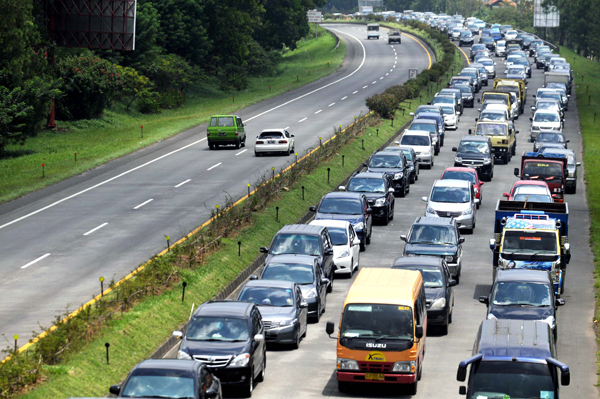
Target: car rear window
{"type": "Point", "coordinates": [271, 135]}
{"type": "Point", "coordinates": [226, 121]}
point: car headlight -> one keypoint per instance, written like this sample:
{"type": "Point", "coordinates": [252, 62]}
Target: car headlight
{"type": "Point", "coordinates": [183, 355]}
{"type": "Point", "coordinates": [381, 201]}
{"type": "Point", "coordinates": [535, 128]}
{"type": "Point", "coordinates": [404, 367]}
{"type": "Point", "coordinates": [359, 226]}
{"type": "Point", "coordinates": [291, 322]}
{"type": "Point", "coordinates": [426, 153]}
{"type": "Point", "coordinates": [397, 176]}
{"type": "Point", "coordinates": [434, 139]}
{"type": "Point", "coordinates": [438, 303]}
{"type": "Point", "coordinates": [487, 161]}
{"type": "Point", "coordinates": [467, 211]}
{"type": "Point", "coordinates": [449, 258]}
{"type": "Point", "coordinates": [343, 254]}
{"type": "Point", "coordinates": [431, 210]}
{"type": "Point", "coordinates": [551, 321]}
{"type": "Point", "coordinates": [469, 97]}
{"type": "Point", "coordinates": [240, 360]}
{"type": "Point", "coordinates": [312, 293]}
{"type": "Point", "coordinates": [492, 317]}
{"type": "Point", "coordinates": [458, 159]}
{"type": "Point", "coordinates": [347, 364]}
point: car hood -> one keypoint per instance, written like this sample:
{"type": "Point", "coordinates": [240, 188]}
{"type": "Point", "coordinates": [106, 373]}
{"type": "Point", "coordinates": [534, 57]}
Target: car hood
{"type": "Point", "coordinates": [276, 312]}
{"type": "Point", "coordinates": [205, 348]}
{"type": "Point", "coordinates": [374, 196]}
{"type": "Point", "coordinates": [389, 171]}
{"type": "Point", "coordinates": [449, 207]}
{"type": "Point", "coordinates": [353, 219]}
{"type": "Point", "coordinates": [514, 76]}
{"type": "Point", "coordinates": [430, 249]}
{"type": "Point", "coordinates": [307, 287]}
{"type": "Point", "coordinates": [521, 313]}
{"type": "Point", "coordinates": [472, 155]}
{"type": "Point", "coordinates": [431, 294]}
{"type": "Point", "coordinates": [337, 250]}
{"type": "Point", "coordinates": [543, 125]}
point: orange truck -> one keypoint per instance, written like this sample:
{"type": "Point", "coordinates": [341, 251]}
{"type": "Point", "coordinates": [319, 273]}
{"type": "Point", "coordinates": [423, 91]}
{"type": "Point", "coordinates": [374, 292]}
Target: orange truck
{"type": "Point", "coordinates": [381, 337]}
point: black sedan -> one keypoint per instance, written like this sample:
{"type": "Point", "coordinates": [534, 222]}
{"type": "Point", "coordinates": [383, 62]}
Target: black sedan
{"type": "Point", "coordinates": [547, 137]}
{"type": "Point", "coordinates": [411, 159]}
{"type": "Point", "coordinates": [169, 379]}
{"type": "Point", "coordinates": [379, 192]}
{"type": "Point", "coordinates": [439, 293]}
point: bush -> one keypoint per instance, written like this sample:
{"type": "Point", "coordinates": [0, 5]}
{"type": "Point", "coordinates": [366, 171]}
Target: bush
{"type": "Point", "coordinates": [384, 105]}
{"type": "Point", "coordinates": [170, 73]}
{"type": "Point", "coordinates": [398, 91]}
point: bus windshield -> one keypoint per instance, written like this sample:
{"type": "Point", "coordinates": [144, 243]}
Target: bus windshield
{"type": "Point", "coordinates": [377, 321]}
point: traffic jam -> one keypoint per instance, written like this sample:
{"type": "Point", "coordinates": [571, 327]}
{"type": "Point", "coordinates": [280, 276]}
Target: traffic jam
{"type": "Point", "coordinates": [389, 311]}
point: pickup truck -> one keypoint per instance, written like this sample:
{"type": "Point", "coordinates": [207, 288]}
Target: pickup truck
{"type": "Point", "coordinates": [394, 36]}
{"type": "Point", "coordinates": [548, 167]}
{"type": "Point", "coordinates": [532, 235]}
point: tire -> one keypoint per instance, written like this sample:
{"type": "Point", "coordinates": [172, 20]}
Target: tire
{"type": "Point", "coordinates": [288, 152]}
{"type": "Point", "coordinates": [256, 154]}
{"type": "Point", "coordinates": [392, 213]}
{"type": "Point", "coordinates": [368, 239]}
{"type": "Point", "coordinates": [261, 376]}
{"type": "Point", "coordinates": [296, 344]}
{"type": "Point", "coordinates": [413, 178]}
{"type": "Point", "coordinates": [450, 318]}
{"type": "Point", "coordinates": [211, 146]}
{"type": "Point", "coordinates": [344, 386]}
{"type": "Point", "coordinates": [238, 144]}
{"type": "Point", "coordinates": [477, 206]}
{"type": "Point", "coordinates": [403, 192]}
{"type": "Point", "coordinates": [412, 388]}
{"type": "Point", "coordinates": [444, 329]}
{"type": "Point", "coordinates": [330, 286]}
{"type": "Point", "coordinates": [363, 246]}
{"type": "Point", "coordinates": [351, 270]}
{"type": "Point", "coordinates": [247, 390]}
{"type": "Point", "coordinates": [386, 219]}
{"type": "Point", "coordinates": [317, 318]}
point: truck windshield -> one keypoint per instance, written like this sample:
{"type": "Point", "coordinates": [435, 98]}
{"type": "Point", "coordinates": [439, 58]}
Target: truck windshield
{"type": "Point", "coordinates": [542, 170]}
{"type": "Point", "coordinates": [513, 380]}
{"type": "Point", "coordinates": [377, 321]}
{"type": "Point", "coordinates": [489, 96]}
{"type": "Point", "coordinates": [530, 241]}
{"type": "Point", "coordinates": [491, 129]}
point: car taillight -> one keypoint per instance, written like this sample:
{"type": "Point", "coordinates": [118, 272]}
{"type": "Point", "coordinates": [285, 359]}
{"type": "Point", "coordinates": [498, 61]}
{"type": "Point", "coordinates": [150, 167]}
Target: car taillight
{"type": "Point", "coordinates": [260, 142]}
{"type": "Point", "coordinates": [236, 133]}
{"type": "Point", "coordinates": [207, 134]}
{"type": "Point", "coordinates": [282, 141]}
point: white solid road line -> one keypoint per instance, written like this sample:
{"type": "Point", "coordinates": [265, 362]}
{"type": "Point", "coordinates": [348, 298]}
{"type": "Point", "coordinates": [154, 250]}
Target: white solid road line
{"type": "Point", "coordinates": [183, 182]}
{"type": "Point", "coordinates": [99, 184]}
{"type": "Point", "coordinates": [243, 151]}
{"type": "Point", "coordinates": [318, 111]}
{"type": "Point", "coordinates": [354, 92]}
{"type": "Point", "coordinates": [323, 87]}
{"type": "Point", "coordinates": [95, 228]}
{"type": "Point", "coordinates": [331, 104]}
{"type": "Point", "coordinates": [143, 203]}
{"type": "Point", "coordinates": [302, 120]}
{"type": "Point", "coordinates": [214, 166]}
{"type": "Point", "coordinates": [343, 98]}
{"type": "Point", "coordinates": [36, 260]}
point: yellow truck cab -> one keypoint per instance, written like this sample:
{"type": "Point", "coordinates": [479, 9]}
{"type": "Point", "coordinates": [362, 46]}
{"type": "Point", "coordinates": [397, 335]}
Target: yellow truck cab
{"type": "Point", "coordinates": [501, 95]}
{"type": "Point", "coordinates": [516, 86]}
{"type": "Point", "coordinates": [381, 338]}
{"type": "Point", "coordinates": [503, 137]}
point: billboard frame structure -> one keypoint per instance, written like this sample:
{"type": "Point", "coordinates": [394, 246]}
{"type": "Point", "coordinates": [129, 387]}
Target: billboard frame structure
{"type": "Point", "coordinates": [545, 16]}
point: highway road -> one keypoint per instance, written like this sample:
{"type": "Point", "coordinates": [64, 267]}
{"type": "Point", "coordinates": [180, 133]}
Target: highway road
{"type": "Point", "coordinates": [309, 371]}
{"type": "Point", "coordinates": [57, 242]}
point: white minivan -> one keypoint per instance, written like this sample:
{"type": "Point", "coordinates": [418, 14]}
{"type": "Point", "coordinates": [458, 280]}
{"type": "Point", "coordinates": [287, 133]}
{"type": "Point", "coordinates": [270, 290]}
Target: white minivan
{"type": "Point", "coordinates": [420, 141]}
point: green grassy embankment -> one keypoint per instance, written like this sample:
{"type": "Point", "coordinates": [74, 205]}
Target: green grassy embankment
{"type": "Point", "coordinates": [118, 132]}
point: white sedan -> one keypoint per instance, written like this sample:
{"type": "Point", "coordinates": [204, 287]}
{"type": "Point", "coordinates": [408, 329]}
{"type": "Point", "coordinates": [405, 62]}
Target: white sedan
{"type": "Point", "coordinates": [274, 140]}
{"type": "Point", "coordinates": [346, 245]}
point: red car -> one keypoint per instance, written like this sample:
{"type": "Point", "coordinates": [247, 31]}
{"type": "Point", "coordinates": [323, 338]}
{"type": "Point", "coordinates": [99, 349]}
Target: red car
{"type": "Point", "coordinates": [469, 174]}
{"type": "Point", "coordinates": [531, 183]}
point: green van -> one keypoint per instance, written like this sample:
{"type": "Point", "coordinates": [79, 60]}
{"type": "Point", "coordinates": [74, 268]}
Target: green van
{"type": "Point", "coordinates": [225, 129]}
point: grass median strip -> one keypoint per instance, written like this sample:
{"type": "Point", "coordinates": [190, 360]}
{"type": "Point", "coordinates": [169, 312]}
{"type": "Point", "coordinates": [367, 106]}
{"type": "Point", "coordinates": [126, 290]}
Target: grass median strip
{"type": "Point", "coordinates": [81, 145]}
{"type": "Point", "coordinates": [586, 75]}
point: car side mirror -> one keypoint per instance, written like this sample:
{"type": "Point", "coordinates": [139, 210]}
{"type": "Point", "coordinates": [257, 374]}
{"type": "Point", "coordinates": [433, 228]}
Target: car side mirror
{"type": "Point", "coordinates": [356, 241]}
{"type": "Point", "coordinates": [264, 250]}
{"type": "Point", "coordinates": [477, 201]}
{"type": "Point", "coordinates": [479, 100]}
{"type": "Point", "coordinates": [369, 211]}
{"type": "Point", "coordinates": [211, 393]}
{"type": "Point", "coordinates": [342, 188]}
{"type": "Point", "coordinates": [259, 337]}
{"type": "Point", "coordinates": [424, 199]}
{"type": "Point", "coordinates": [462, 390]}
{"type": "Point", "coordinates": [454, 149]}
{"type": "Point", "coordinates": [329, 327]}
{"type": "Point", "coordinates": [412, 114]}
{"type": "Point", "coordinates": [325, 281]}
{"type": "Point", "coordinates": [481, 183]}
{"type": "Point", "coordinates": [578, 164]}
{"type": "Point", "coordinates": [505, 195]}
{"type": "Point", "coordinates": [470, 131]}
{"type": "Point", "coordinates": [312, 208]}
{"type": "Point", "coordinates": [555, 196]}
{"type": "Point", "coordinates": [329, 252]}
{"type": "Point", "coordinates": [115, 389]}
{"type": "Point", "coordinates": [567, 141]}
{"type": "Point", "coordinates": [516, 172]}
{"type": "Point", "coordinates": [253, 277]}
{"type": "Point", "coordinates": [419, 332]}
{"type": "Point", "coordinates": [531, 119]}
{"type": "Point", "coordinates": [492, 244]}
{"type": "Point", "coordinates": [403, 238]}
{"type": "Point", "coordinates": [559, 302]}
{"type": "Point", "coordinates": [516, 132]}
{"type": "Point", "coordinates": [461, 240]}
{"type": "Point", "coordinates": [533, 107]}
{"type": "Point", "coordinates": [484, 299]}
{"type": "Point", "coordinates": [364, 164]}
{"type": "Point", "coordinates": [565, 378]}
{"type": "Point", "coordinates": [452, 283]}
{"type": "Point", "coordinates": [293, 135]}
{"type": "Point", "coordinates": [391, 190]}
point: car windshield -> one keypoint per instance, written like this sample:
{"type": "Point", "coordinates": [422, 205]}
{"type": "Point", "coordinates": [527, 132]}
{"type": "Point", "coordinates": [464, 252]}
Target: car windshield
{"type": "Point", "coordinates": [377, 321]}
{"type": "Point", "coordinates": [529, 241]}
{"type": "Point", "coordinates": [554, 95]}
{"type": "Point", "coordinates": [551, 137]}
{"type": "Point", "coordinates": [385, 161]}
{"type": "Point", "coordinates": [460, 175]}
{"type": "Point", "coordinates": [490, 129]}
{"type": "Point", "coordinates": [533, 198]}
{"type": "Point", "coordinates": [493, 116]}
{"type": "Point", "coordinates": [432, 276]}
{"type": "Point", "coordinates": [428, 127]}
{"type": "Point", "coordinates": [465, 89]}
{"type": "Point", "coordinates": [476, 147]}
{"type": "Point", "coordinates": [487, 62]}
{"type": "Point", "coordinates": [159, 383]}
{"type": "Point", "coordinates": [447, 110]}
{"type": "Point", "coordinates": [295, 244]}
{"type": "Point", "coordinates": [495, 379]}
{"type": "Point", "coordinates": [271, 135]}
{"type": "Point", "coordinates": [364, 185]}
{"type": "Point", "coordinates": [514, 71]}
{"type": "Point", "coordinates": [408, 154]}
{"type": "Point", "coordinates": [450, 194]}
{"type": "Point", "coordinates": [203, 328]}
{"type": "Point", "coordinates": [428, 234]}
{"type": "Point", "coordinates": [546, 117]}
{"type": "Point", "coordinates": [339, 235]}
{"type": "Point", "coordinates": [270, 296]}
{"type": "Point", "coordinates": [443, 100]}
{"type": "Point", "coordinates": [546, 105]}
{"type": "Point", "coordinates": [421, 141]}
{"type": "Point", "coordinates": [341, 206]}
{"type": "Point", "coordinates": [298, 273]}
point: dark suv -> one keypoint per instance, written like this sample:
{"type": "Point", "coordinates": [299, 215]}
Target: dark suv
{"type": "Point", "coordinates": [411, 159]}
{"type": "Point", "coordinates": [379, 191]}
{"type": "Point", "coordinates": [393, 164]}
{"type": "Point", "coordinates": [476, 152]}
{"type": "Point", "coordinates": [229, 338]}
{"type": "Point", "coordinates": [523, 295]}
{"type": "Point", "coordinates": [436, 236]}
{"type": "Point", "coordinates": [304, 239]}
{"type": "Point", "coordinates": [351, 207]}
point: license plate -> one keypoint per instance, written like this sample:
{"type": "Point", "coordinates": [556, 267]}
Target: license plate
{"type": "Point", "coordinates": [222, 134]}
{"type": "Point", "coordinates": [270, 141]}
{"type": "Point", "coordinates": [374, 376]}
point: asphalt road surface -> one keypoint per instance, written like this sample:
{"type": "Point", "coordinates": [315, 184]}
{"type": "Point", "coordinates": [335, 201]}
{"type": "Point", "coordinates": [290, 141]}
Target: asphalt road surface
{"type": "Point", "coordinates": [57, 242]}
{"type": "Point", "coordinates": [309, 371]}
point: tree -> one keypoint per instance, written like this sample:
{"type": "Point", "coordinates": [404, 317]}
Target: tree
{"type": "Point", "coordinates": [284, 23]}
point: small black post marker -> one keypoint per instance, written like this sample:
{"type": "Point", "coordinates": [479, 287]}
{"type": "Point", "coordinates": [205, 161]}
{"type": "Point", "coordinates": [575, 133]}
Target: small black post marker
{"type": "Point", "coordinates": [343, 156]}
{"type": "Point", "coordinates": [101, 286]}
{"type": "Point", "coordinates": [142, 130]}
{"type": "Point", "coordinates": [328, 170]}
{"type": "Point", "coordinates": [420, 98]}
{"type": "Point", "coordinates": [273, 170]}
{"type": "Point", "coordinates": [269, 88]}
{"type": "Point", "coordinates": [277, 213]}
{"type": "Point", "coordinates": [75, 157]}
{"type": "Point", "coordinates": [169, 241]}
{"type": "Point", "coordinates": [363, 144]}
{"type": "Point", "coordinates": [302, 192]}
{"type": "Point", "coordinates": [296, 154]}
{"type": "Point", "coordinates": [587, 88]}
{"type": "Point", "coordinates": [248, 189]}
{"type": "Point", "coordinates": [217, 208]}
{"type": "Point", "coordinates": [297, 78]}
{"type": "Point", "coordinates": [16, 337]}
{"type": "Point", "coordinates": [239, 248]}
{"type": "Point", "coordinates": [320, 142]}
{"type": "Point", "coordinates": [377, 132]}
{"type": "Point", "coordinates": [232, 99]}
{"type": "Point", "coordinates": [43, 170]}
{"type": "Point", "coordinates": [402, 111]}
{"type": "Point", "coordinates": [107, 346]}
{"type": "Point", "coordinates": [184, 284]}
{"type": "Point", "coordinates": [393, 119]}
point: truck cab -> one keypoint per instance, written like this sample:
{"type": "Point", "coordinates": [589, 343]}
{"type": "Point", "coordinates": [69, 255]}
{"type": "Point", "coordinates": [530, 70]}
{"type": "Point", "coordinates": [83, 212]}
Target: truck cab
{"type": "Point", "coordinates": [515, 85]}
{"type": "Point", "coordinates": [547, 167]}
{"type": "Point", "coordinates": [513, 359]}
{"type": "Point", "coordinates": [394, 36]}
{"type": "Point", "coordinates": [372, 31]}
{"type": "Point", "coordinates": [502, 135]}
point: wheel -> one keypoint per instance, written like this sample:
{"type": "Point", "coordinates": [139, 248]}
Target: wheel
{"type": "Point", "coordinates": [261, 376]}
{"type": "Point", "coordinates": [436, 151]}
{"type": "Point", "coordinates": [412, 388]}
{"type": "Point", "coordinates": [444, 329]}
{"type": "Point", "coordinates": [330, 286]}
{"type": "Point", "coordinates": [238, 143]}
{"type": "Point", "coordinates": [386, 219]}
{"type": "Point", "coordinates": [288, 152]}
{"type": "Point", "coordinates": [403, 192]}
{"type": "Point", "coordinates": [432, 161]}
{"type": "Point", "coordinates": [351, 270]}
{"type": "Point", "coordinates": [363, 246]}
{"type": "Point", "coordinates": [318, 316]}
{"type": "Point", "coordinates": [413, 178]}
{"type": "Point", "coordinates": [478, 205]}
{"type": "Point", "coordinates": [211, 146]}
{"type": "Point", "coordinates": [392, 212]}
{"type": "Point", "coordinates": [296, 343]}
{"type": "Point", "coordinates": [368, 240]}
{"type": "Point", "coordinates": [344, 386]}
{"type": "Point", "coordinates": [247, 390]}
{"type": "Point", "coordinates": [256, 154]}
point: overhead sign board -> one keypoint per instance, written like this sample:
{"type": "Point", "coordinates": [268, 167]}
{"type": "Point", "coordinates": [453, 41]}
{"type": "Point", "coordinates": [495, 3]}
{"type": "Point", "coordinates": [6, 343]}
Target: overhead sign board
{"type": "Point", "coordinates": [314, 16]}
{"type": "Point", "coordinates": [545, 16]}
